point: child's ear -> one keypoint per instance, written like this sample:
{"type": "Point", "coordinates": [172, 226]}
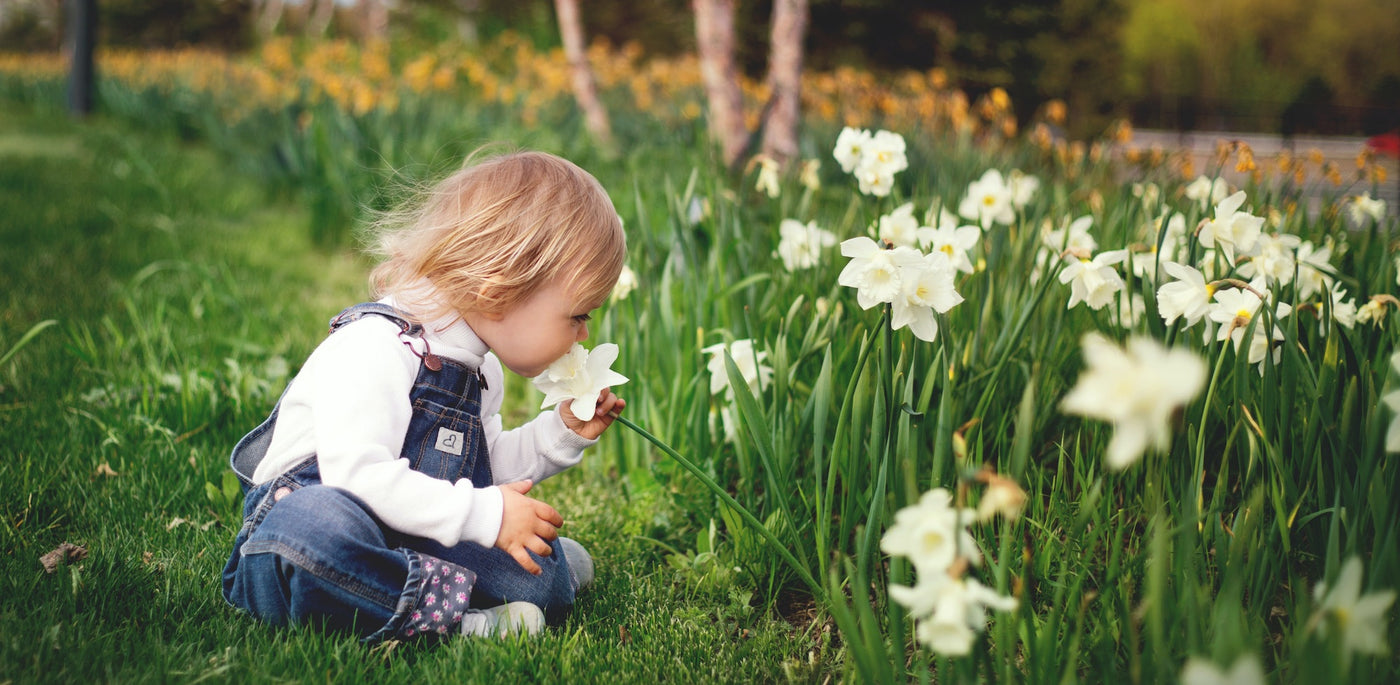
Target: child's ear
{"type": "Point", "coordinates": [487, 293]}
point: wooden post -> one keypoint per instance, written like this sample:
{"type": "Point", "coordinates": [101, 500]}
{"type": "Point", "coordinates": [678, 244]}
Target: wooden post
{"type": "Point", "coordinates": [82, 33]}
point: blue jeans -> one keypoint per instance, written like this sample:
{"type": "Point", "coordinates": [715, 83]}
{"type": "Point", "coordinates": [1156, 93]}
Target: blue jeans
{"type": "Point", "coordinates": [311, 553]}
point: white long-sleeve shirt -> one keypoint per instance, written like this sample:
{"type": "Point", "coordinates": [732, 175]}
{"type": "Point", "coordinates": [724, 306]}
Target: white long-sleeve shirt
{"type": "Point", "coordinates": [349, 405]}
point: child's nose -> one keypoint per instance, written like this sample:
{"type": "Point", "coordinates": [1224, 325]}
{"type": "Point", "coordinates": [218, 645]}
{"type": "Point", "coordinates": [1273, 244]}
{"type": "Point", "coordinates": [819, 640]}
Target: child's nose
{"type": "Point", "coordinates": [583, 333]}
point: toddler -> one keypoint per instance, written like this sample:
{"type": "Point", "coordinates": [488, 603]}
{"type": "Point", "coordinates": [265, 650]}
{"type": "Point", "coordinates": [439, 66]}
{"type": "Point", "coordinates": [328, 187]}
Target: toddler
{"type": "Point", "coordinates": [382, 495]}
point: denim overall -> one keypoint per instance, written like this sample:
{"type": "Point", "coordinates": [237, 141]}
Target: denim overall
{"type": "Point", "coordinates": [310, 552]}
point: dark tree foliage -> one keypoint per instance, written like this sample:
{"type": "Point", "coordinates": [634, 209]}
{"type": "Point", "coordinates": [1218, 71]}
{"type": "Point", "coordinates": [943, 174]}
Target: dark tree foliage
{"type": "Point", "coordinates": [222, 24]}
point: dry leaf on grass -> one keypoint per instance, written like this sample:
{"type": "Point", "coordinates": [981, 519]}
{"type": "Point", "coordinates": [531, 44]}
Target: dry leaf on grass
{"type": "Point", "coordinates": [66, 553]}
{"type": "Point", "coordinates": [105, 469]}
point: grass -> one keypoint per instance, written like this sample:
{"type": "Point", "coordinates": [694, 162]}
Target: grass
{"type": "Point", "coordinates": [183, 299]}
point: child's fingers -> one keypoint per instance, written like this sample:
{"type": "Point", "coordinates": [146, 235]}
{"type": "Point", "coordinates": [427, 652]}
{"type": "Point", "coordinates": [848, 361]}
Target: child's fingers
{"type": "Point", "coordinates": [520, 486]}
{"type": "Point", "coordinates": [539, 546]}
{"type": "Point", "coordinates": [523, 558]}
{"type": "Point", "coordinates": [549, 515]}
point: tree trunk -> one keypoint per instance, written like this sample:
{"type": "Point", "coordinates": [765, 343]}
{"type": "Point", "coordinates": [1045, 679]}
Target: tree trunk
{"type": "Point", "coordinates": [376, 18]}
{"type": "Point", "coordinates": [785, 79]}
{"type": "Point", "coordinates": [714, 33]}
{"type": "Point", "coordinates": [595, 117]}
{"type": "Point", "coordinates": [269, 16]}
{"type": "Point", "coordinates": [319, 17]}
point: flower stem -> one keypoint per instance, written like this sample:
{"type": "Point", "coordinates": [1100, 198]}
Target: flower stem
{"type": "Point", "coordinates": [744, 513]}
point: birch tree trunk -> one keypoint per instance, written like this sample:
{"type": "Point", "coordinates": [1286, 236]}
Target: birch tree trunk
{"type": "Point", "coordinates": [269, 16]}
{"type": "Point", "coordinates": [376, 18]}
{"type": "Point", "coordinates": [319, 17]}
{"type": "Point", "coordinates": [595, 117]}
{"type": "Point", "coordinates": [714, 33]}
{"type": "Point", "coordinates": [785, 79]}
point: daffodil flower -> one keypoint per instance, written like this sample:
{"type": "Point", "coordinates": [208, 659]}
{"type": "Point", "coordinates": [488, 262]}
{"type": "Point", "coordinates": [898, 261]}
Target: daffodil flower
{"type": "Point", "coordinates": [1094, 281]}
{"type": "Point", "coordinates": [749, 361]}
{"type": "Point", "coordinates": [900, 227]}
{"type": "Point", "coordinates": [1365, 207]}
{"type": "Point", "coordinates": [1245, 671]}
{"type": "Point", "coordinates": [1206, 192]}
{"type": "Point", "coordinates": [1360, 618]}
{"type": "Point", "coordinates": [950, 612]}
{"type": "Point", "coordinates": [1231, 230]}
{"type": "Point", "coordinates": [1136, 389]}
{"type": "Point", "coordinates": [1188, 296]}
{"type": "Point", "coordinates": [800, 245]}
{"type": "Point", "coordinates": [989, 200]}
{"type": "Point", "coordinates": [873, 271]}
{"type": "Point", "coordinates": [1392, 400]}
{"type": "Point", "coordinates": [580, 376]}
{"type": "Point", "coordinates": [932, 534]}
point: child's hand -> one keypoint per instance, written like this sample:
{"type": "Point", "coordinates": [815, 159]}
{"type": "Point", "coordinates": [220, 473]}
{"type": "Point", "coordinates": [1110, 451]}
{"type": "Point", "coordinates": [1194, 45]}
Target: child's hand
{"type": "Point", "coordinates": [526, 524]}
{"type": "Point", "coordinates": [602, 416]}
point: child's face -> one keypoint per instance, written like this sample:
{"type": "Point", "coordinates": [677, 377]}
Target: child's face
{"type": "Point", "coordinates": [538, 331]}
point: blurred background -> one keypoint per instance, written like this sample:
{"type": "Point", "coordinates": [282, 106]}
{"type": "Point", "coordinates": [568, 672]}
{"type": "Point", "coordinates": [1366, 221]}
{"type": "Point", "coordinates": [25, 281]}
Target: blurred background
{"type": "Point", "coordinates": [1290, 67]}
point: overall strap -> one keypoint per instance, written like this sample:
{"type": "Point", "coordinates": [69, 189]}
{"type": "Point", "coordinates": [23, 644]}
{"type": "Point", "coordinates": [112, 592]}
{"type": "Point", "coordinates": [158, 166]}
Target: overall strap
{"type": "Point", "coordinates": [359, 311]}
{"type": "Point", "coordinates": [406, 328]}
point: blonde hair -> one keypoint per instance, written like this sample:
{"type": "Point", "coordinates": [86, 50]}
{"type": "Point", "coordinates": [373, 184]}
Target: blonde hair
{"type": "Point", "coordinates": [491, 234]}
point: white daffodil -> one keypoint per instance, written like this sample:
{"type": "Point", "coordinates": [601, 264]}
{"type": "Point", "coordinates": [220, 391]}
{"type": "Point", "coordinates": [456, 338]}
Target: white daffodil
{"type": "Point", "coordinates": [1273, 258]}
{"type": "Point", "coordinates": [938, 216]}
{"type": "Point", "coordinates": [900, 227]}
{"type": "Point", "coordinates": [873, 159]}
{"type": "Point", "coordinates": [932, 534]}
{"type": "Point", "coordinates": [768, 181]}
{"type": "Point", "coordinates": [800, 245]}
{"type": "Point", "coordinates": [1188, 296]}
{"type": "Point", "coordinates": [1073, 236]}
{"type": "Point", "coordinates": [952, 240]}
{"type": "Point", "coordinates": [950, 612]}
{"type": "Point", "coordinates": [750, 364]}
{"type": "Point", "coordinates": [1372, 312]}
{"type": "Point", "coordinates": [988, 201]}
{"type": "Point", "coordinates": [1343, 310]}
{"type": "Point", "coordinates": [1360, 618]}
{"type": "Point", "coordinates": [698, 210]}
{"type": "Point", "coordinates": [927, 286]}
{"type": "Point", "coordinates": [1002, 497]}
{"type": "Point", "coordinates": [886, 151]}
{"type": "Point", "coordinates": [874, 180]}
{"type": "Point", "coordinates": [1392, 400]}
{"type": "Point", "coordinates": [1364, 208]}
{"type": "Point", "coordinates": [1314, 269]}
{"type": "Point", "coordinates": [1148, 194]}
{"type": "Point", "coordinates": [873, 271]}
{"type": "Point", "coordinates": [1232, 231]}
{"type": "Point", "coordinates": [1245, 671]}
{"type": "Point", "coordinates": [1023, 188]}
{"type": "Point", "coordinates": [850, 147]}
{"type": "Point", "coordinates": [1234, 309]}
{"type": "Point", "coordinates": [1093, 281]}
{"type": "Point", "coordinates": [581, 376]}
{"type": "Point", "coordinates": [1130, 310]}
{"type": "Point", "coordinates": [1206, 192]}
{"type": "Point", "coordinates": [626, 283]}
{"type": "Point", "coordinates": [1136, 389]}
{"type": "Point", "coordinates": [810, 176]}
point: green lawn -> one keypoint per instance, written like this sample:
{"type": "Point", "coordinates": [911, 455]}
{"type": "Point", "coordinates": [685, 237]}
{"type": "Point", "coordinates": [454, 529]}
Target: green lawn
{"type": "Point", "coordinates": [183, 298]}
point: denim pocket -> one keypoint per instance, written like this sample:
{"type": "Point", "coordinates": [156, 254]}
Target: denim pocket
{"type": "Point", "coordinates": [443, 442]}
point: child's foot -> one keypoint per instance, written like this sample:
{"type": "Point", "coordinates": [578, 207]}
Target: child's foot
{"type": "Point", "coordinates": [508, 619]}
{"type": "Point", "coordinates": [580, 564]}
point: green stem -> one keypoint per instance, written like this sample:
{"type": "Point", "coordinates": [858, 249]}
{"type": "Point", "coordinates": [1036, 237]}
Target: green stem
{"type": "Point", "coordinates": [749, 518]}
